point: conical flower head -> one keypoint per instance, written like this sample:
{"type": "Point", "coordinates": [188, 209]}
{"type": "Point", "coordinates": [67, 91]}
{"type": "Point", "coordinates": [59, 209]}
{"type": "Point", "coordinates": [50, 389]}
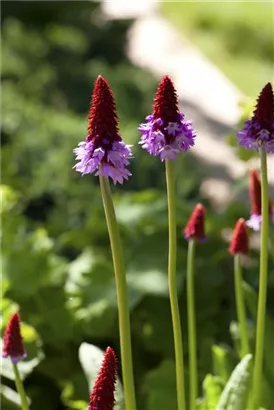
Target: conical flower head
{"type": "Point", "coordinates": [12, 341]}
{"type": "Point", "coordinates": [102, 395]}
{"type": "Point", "coordinates": [195, 227]}
{"type": "Point", "coordinates": [259, 131]}
{"type": "Point", "coordinates": [255, 201]}
{"type": "Point", "coordinates": [239, 242]}
{"type": "Point", "coordinates": [166, 102]}
{"type": "Point", "coordinates": [264, 110]}
{"type": "Point", "coordinates": [102, 121]}
{"type": "Point", "coordinates": [103, 150]}
{"type": "Point", "coordinates": [165, 132]}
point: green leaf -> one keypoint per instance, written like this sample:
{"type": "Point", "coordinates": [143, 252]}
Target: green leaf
{"type": "Point", "coordinates": [160, 387]}
{"type": "Point", "coordinates": [41, 267]}
{"type": "Point", "coordinates": [153, 325]}
{"type": "Point", "coordinates": [91, 290]}
{"type": "Point", "coordinates": [268, 365]}
{"type": "Point", "coordinates": [222, 361]}
{"type": "Point", "coordinates": [9, 198]}
{"type": "Point", "coordinates": [235, 393]}
{"type": "Point", "coordinates": [75, 392]}
{"type": "Point", "coordinates": [234, 330]}
{"type": "Point", "coordinates": [10, 399]}
{"type": "Point", "coordinates": [201, 404]}
{"type": "Point", "coordinates": [252, 303]}
{"type": "Point", "coordinates": [142, 282]}
{"type": "Point", "coordinates": [212, 387]}
{"type": "Point", "coordinates": [91, 358]}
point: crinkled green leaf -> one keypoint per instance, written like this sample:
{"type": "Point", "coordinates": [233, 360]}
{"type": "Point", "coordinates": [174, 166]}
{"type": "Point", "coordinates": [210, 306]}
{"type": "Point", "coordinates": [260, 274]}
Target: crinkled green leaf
{"type": "Point", "coordinates": [235, 393]}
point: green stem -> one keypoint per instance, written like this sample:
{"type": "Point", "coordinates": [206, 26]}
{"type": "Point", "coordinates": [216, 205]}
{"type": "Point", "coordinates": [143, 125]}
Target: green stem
{"type": "Point", "coordinates": [20, 388]}
{"type": "Point", "coordinates": [175, 313]}
{"type": "Point", "coordinates": [193, 381]}
{"type": "Point", "coordinates": [271, 243]}
{"type": "Point", "coordinates": [259, 348]}
{"type": "Point", "coordinates": [240, 305]}
{"type": "Point", "coordinates": [122, 295]}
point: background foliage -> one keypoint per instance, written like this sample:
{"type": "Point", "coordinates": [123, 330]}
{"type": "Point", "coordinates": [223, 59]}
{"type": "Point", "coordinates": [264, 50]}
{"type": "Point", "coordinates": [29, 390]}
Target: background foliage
{"type": "Point", "coordinates": [56, 260]}
{"type": "Point", "coordinates": [228, 33]}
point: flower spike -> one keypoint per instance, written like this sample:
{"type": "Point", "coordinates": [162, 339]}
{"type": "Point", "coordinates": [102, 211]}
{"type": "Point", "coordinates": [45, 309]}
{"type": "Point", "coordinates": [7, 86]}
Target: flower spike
{"type": "Point", "coordinates": [12, 341]}
{"type": "Point", "coordinates": [103, 150]}
{"type": "Point", "coordinates": [195, 227]}
{"type": "Point", "coordinates": [255, 200]}
{"type": "Point", "coordinates": [165, 132]}
{"type": "Point", "coordinates": [239, 242]}
{"type": "Point", "coordinates": [258, 132]}
{"type": "Point", "coordinates": [102, 395]}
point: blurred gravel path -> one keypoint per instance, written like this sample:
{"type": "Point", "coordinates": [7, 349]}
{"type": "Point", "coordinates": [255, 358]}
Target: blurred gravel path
{"type": "Point", "coordinates": [208, 97]}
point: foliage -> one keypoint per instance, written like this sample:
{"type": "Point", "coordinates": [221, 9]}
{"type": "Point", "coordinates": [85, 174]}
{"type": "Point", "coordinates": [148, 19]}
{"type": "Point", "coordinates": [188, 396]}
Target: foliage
{"type": "Point", "coordinates": [228, 34]}
{"type": "Point", "coordinates": [56, 260]}
{"type": "Point", "coordinates": [235, 393]}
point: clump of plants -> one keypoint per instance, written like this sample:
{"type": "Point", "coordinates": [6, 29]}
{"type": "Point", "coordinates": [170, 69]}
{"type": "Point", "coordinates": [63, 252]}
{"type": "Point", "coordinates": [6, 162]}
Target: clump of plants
{"type": "Point", "coordinates": [167, 134]}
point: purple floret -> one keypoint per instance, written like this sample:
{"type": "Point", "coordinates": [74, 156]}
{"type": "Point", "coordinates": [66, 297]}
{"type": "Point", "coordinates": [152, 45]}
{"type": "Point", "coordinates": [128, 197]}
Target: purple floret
{"type": "Point", "coordinates": [169, 141]}
{"type": "Point", "coordinates": [109, 163]}
{"type": "Point", "coordinates": [253, 136]}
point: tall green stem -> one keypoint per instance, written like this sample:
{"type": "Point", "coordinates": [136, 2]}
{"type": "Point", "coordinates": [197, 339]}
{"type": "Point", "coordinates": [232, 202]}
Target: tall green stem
{"type": "Point", "coordinates": [271, 243]}
{"type": "Point", "coordinates": [193, 381]}
{"type": "Point", "coordinates": [175, 313]}
{"type": "Point", "coordinates": [122, 295]}
{"type": "Point", "coordinates": [20, 388]}
{"type": "Point", "coordinates": [257, 374]}
{"type": "Point", "coordinates": [240, 305]}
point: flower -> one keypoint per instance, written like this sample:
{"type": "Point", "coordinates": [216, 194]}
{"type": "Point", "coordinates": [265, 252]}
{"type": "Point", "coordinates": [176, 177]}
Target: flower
{"type": "Point", "coordinates": [102, 395]}
{"type": "Point", "coordinates": [258, 132]}
{"type": "Point", "coordinates": [103, 152]}
{"type": "Point", "coordinates": [239, 242]}
{"type": "Point", "coordinates": [165, 132]}
{"type": "Point", "coordinates": [12, 341]}
{"type": "Point", "coordinates": [255, 199]}
{"type": "Point", "coordinates": [195, 227]}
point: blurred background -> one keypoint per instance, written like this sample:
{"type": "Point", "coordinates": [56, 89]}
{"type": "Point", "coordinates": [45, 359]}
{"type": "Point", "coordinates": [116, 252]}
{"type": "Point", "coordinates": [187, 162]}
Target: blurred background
{"type": "Point", "coordinates": [57, 265]}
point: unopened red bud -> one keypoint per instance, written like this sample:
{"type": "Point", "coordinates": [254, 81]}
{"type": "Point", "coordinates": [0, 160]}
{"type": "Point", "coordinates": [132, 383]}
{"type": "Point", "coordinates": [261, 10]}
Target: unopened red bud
{"type": "Point", "coordinates": [12, 341]}
{"type": "Point", "coordinates": [239, 242]}
{"type": "Point", "coordinates": [195, 228]}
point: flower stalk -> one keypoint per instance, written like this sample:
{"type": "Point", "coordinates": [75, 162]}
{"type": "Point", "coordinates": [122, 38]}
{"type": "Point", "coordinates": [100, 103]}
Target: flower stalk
{"type": "Point", "coordinates": [194, 231]}
{"type": "Point", "coordinates": [239, 245]}
{"type": "Point", "coordinates": [20, 388]}
{"type": "Point", "coordinates": [259, 349]}
{"type": "Point", "coordinates": [240, 306]}
{"type": "Point", "coordinates": [192, 345]}
{"type": "Point", "coordinates": [175, 313]}
{"type": "Point", "coordinates": [122, 295]}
